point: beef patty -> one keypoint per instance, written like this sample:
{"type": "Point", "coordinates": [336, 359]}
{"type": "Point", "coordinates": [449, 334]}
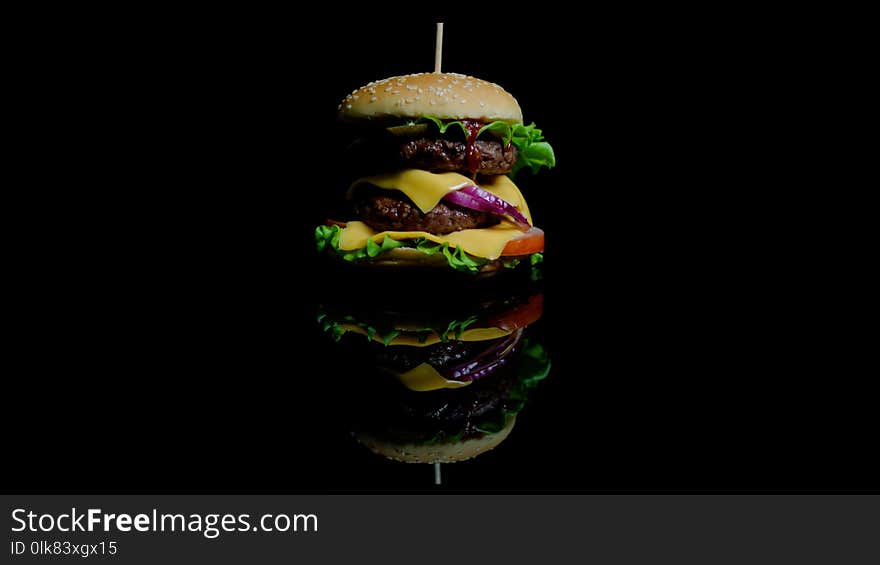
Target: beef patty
{"type": "Point", "coordinates": [489, 157]}
{"type": "Point", "coordinates": [392, 210]}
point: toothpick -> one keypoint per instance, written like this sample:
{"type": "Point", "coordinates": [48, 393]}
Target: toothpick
{"type": "Point", "coordinates": [438, 48]}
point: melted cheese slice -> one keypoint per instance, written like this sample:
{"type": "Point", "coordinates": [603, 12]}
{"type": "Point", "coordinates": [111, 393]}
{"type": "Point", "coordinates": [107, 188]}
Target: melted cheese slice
{"type": "Point", "coordinates": [424, 377]}
{"type": "Point", "coordinates": [426, 190]}
{"type": "Point", "coordinates": [487, 242]}
{"type": "Point", "coordinates": [470, 334]}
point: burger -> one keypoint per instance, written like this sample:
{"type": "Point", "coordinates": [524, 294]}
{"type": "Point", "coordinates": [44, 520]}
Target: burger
{"type": "Point", "coordinates": [429, 386]}
{"type": "Point", "coordinates": [448, 425]}
{"type": "Point", "coordinates": [432, 162]}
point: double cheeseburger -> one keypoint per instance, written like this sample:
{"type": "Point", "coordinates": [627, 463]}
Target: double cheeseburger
{"type": "Point", "coordinates": [437, 385]}
{"type": "Point", "coordinates": [432, 162]}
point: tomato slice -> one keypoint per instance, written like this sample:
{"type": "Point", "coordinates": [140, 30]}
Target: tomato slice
{"type": "Point", "coordinates": [530, 242]}
{"type": "Point", "coordinates": [520, 315]}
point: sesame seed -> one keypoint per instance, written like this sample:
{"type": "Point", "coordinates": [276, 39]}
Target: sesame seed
{"type": "Point", "coordinates": [355, 96]}
{"type": "Point", "coordinates": [432, 102]}
{"type": "Point", "coordinates": [463, 100]}
{"type": "Point", "coordinates": [388, 88]}
{"type": "Point", "coordinates": [373, 98]}
{"type": "Point", "coordinates": [482, 103]}
{"type": "Point", "coordinates": [348, 106]}
{"type": "Point", "coordinates": [411, 87]}
{"type": "Point", "coordinates": [395, 92]}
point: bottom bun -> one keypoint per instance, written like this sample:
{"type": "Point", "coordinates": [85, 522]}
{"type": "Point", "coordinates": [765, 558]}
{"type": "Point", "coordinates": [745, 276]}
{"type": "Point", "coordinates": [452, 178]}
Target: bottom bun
{"type": "Point", "coordinates": [438, 452]}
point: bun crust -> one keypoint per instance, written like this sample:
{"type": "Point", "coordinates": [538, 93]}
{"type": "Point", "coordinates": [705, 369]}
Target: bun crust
{"type": "Point", "coordinates": [447, 96]}
{"type": "Point", "coordinates": [438, 453]}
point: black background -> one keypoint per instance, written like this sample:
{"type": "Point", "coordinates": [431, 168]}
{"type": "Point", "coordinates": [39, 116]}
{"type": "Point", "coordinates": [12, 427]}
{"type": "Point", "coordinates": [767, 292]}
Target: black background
{"type": "Point", "coordinates": [177, 163]}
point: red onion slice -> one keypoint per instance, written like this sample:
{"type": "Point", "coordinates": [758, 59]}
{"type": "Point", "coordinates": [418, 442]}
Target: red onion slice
{"type": "Point", "coordinates": [487, 362]}
{"type": "Point", "coordinates": [476, 198]}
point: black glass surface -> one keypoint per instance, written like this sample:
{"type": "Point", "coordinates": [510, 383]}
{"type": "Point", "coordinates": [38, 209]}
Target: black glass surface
{"type": "Point", "coordinates": [170, 340]}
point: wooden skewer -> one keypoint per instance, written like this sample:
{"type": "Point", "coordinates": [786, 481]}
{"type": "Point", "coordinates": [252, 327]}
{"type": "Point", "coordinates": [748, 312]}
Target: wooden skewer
{"type": "Point", "coordinates": [438, 48]}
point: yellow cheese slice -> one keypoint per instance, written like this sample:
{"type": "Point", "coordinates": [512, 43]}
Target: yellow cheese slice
{"type": "Point", "coordinates": [427, 189]}
{"type": "Point", "coordinates": [425, 377]}
{"type": "Point", "coordinates": [485, 242]}
{"type": "Point", "coordinates": [423, 188]}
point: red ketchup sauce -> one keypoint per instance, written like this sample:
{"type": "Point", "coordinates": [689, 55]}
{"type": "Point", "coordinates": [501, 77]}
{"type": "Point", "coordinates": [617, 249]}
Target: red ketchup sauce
{"type": "Point", "coordinates": [473, 157]}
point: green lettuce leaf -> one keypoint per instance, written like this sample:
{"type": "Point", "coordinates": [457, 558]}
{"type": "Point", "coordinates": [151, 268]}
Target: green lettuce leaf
{"type": "Point", "coordinates": [334, 326]}
{"type": "Point", "coordinates": [457, 328]}
{"type": "Point", "coordinates": [455, 256]}
{"type": "Point", "coordinates": [327, 238]}
{"type": "Point", "coordinates": [327, 235]}
{"type": "Point", "coordinates": [442, 127]}
{"type": "Point", "coordinates": [336, 331]}
{"type": "Point", "coordinates": [534, 151]}
{"type": "Point", "coordinates": [499, 129]}
{"type": "Point", "coordinates": [533, 366]}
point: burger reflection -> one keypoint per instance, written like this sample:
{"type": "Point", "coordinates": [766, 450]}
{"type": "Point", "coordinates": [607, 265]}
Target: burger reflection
{"type": "Point", "coordinates": [438, 386]}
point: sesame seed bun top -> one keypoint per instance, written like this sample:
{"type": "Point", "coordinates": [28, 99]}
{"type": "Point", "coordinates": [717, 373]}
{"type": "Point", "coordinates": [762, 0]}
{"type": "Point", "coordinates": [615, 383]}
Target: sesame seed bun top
{"type": "Point", "coordinates": [447, 96]}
